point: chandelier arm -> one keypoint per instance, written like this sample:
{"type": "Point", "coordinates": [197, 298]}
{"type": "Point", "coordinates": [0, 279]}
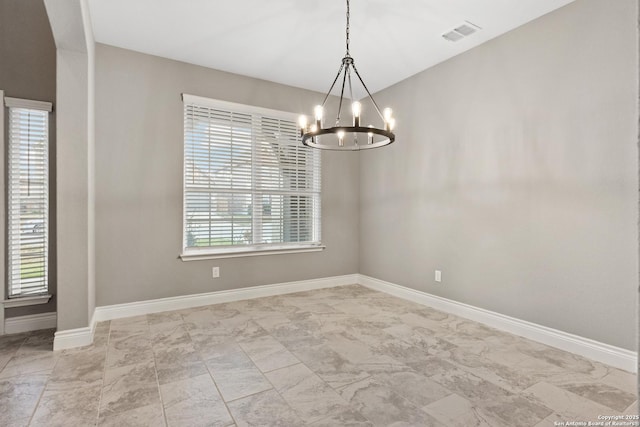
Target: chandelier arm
{"type": "Point", "coordinates": [350, 86]}
{"type": "Point", "coordinates": [344, 79]}
{"type": "Point", "coordinates": [368, 93]}
{"type": "Point", "coordinates": [333, 84]}
{"type": "Point", "coordinates": [355, 136]}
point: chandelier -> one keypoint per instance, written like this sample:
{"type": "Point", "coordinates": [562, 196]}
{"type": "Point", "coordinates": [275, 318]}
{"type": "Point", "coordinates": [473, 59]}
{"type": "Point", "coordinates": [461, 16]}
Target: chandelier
{"type": "Point", "coordinates": [344, 137]}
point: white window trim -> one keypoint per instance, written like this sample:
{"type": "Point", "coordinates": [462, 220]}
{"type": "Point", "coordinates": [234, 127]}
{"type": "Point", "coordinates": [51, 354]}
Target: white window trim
{"type": "Point", "coordinates": [27, 300]}
{"type": "Point", "coordinates": [28, 103]}
{"type": "Point", "coordinates": [245, 251]}
{"type": "Point", "coordinates": [248, 250]}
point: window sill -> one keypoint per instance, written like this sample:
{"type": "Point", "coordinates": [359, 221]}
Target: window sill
{"type": "Point", "coordinates": [24, 301]}
{"type": "Point", "coordinates": [245, 252]}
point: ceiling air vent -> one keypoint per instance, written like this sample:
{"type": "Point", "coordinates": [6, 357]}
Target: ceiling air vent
{"type": "Point", "coordinates": [460, 32]}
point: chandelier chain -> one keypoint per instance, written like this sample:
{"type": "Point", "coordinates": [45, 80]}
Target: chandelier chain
{"type": "Point", "coordinates": [347, 31]}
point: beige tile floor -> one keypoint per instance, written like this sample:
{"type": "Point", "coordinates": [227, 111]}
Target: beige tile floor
{"type": "Point", "coordinates": [332, 357]}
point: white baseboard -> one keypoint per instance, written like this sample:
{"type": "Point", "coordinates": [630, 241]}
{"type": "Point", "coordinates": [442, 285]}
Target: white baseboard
{"type": "Point", "coordinates": [118, 311]}
{"type": "Point", "coordinates": [84, 336]}
{"type": "Point", "coordinates": [72, 338]}
{"type": "Point", "coordinates": [605, 353]}
{"type": "Point", "coordinates": [608, 354]}
{"type": "Point", "coordinates": [31, 322]}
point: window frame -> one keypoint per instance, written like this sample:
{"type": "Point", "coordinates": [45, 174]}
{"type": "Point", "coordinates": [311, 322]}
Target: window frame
{"type": "Point", "coordinates": [27, 298]}
{"type": "Point", "coordinates": [243, 250]}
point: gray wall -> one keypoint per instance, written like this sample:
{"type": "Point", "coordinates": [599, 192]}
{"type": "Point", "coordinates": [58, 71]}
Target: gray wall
{"type": "Point", "coordinates": [515, 172]}
{"type": "Point", "coordinates": [75, 49]}
{"type": "Point", "coordinates": [28, 70]}
{"type": "Point", "coordinates": [139, 137]}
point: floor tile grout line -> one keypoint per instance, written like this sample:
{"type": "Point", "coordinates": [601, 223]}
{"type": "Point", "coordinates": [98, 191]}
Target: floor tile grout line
{"type": "Point", "coordinates": [104, 372]}
{"type": "Point", "coordinates": [35, 408]}
{"type": "Point", "coordinates": [210, 375]}
{"type": "Point", "coordinates": [155, 372]}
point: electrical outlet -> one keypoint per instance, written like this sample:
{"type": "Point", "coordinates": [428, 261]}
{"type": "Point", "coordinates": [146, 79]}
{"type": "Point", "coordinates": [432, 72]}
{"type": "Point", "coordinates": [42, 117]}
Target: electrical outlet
{"type": "Point", "coordinates": [215, 272]}
{"type": "Point", "coordinates": [438, 276]}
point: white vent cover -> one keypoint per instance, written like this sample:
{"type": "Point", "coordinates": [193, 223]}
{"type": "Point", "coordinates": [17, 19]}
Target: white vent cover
{"type": "Point", "coordinates": [460, 32]}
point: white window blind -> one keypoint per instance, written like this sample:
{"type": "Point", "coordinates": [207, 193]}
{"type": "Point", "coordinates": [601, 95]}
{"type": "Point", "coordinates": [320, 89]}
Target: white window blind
{"type": "Point", "coordinates": [249, 183]}
{"type": "Point", "coordinates": [28, 197]}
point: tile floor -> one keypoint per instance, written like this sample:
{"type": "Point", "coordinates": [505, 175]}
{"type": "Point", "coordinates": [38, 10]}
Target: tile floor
{"type": "Point", "coordinates": [332, 357]}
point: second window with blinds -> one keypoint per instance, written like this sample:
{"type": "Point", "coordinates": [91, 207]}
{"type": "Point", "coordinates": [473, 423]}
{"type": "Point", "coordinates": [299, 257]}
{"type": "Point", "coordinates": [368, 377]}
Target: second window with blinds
{"type": "Point", "coordinates": [250, 186]}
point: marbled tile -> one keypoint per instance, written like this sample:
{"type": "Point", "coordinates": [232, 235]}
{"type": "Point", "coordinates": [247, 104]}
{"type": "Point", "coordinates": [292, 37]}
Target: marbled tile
{"type": "Point", "coordinates": [208, 341]}
{"type": "Point", "coordinates": [305, 392]}
{"type": "Point", "coordinates": [622, 380]}
{"type": "Point", "coordinates": [632, 409]}
{"type": "Point", "coordinates": [4, 359]}
{"type": "Point", "coordinates": [71, 407]}
{"type": "Point", "coordinates": [350, 348]}
{"type": "Point", "coordinates": [129, 350]}
{"type": "Point", "coordinates": [178, 363]}
{"type": "Point", "coordinates": [565, 403]}
{"type": "Point", "coordinates": [194, 401]}
{"type": "Point", "coordinates": [267, 353]}
{"type": "Point", "coordinates": [330, 366]}
{"type": "Point", "coordinates": [235, 374]}
{"type": "Point", "coordinates": [431, 365]}
{"type": "Point", "coordinates": [78, 368]}
{"type": "Point", "coordinates": [603, 394]}
{"type": "Point", "coordinates": [393, 360]}
{"type": "Point", "coordinates": [346, 418]}
{"type": "Point", "coordinates": [30, 362]}
{"type": "Point", "coordinates": [470, 386]}
{"type": "Point", "coordinates": [143, 416]}
{"type": "Point", "coordinates": [11, 343]}
{"type": "Point", "coordinates": [198, 317]}
{"type": "Point", "coordinates": [19, 396]}
{"type": "Point", "coordinates": [553, 420]}
{"type": "Point", "coordinates": [563, 359]}
{"type": "Point", "coordinates": [422, 338]}
{"type": "Point", "coordinates": [129, 387]}
{"type": "Point", "coordinates": [38, 341]}
{"type": "Point", "coordinates": [129, 325]}
{"type": "Point", "coordinates": [383, 406]}
{"type": "Point", "coordinates": [263, 409]}
{"type": "Point", "coordinates": [514, 410]}
{"type": "Point", "coordinates": [413, 386]}
{"type": "Point", "coordinates": [172, 336]}
{"type": "Point", "coordinates": [456, 411]}
{"type": "Point", "coordinates": [242, 327]}
{"type": "Point", "coordinates": [171, 317]}
{"type": "Point", "coordinates": [500, 374]}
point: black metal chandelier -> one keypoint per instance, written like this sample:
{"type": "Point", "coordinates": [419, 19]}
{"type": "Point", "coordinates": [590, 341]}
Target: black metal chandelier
{"type": "Point", "coordinates": [341, 137]}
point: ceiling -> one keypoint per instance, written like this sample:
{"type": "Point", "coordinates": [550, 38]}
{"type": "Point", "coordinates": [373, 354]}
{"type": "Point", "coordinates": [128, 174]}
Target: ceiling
{"type": "Point", "coordinates": [301, 42]}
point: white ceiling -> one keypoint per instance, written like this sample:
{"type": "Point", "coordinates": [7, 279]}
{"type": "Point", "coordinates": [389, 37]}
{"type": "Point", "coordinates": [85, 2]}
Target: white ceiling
{"type": "Point", "coordinates": [301, 42]}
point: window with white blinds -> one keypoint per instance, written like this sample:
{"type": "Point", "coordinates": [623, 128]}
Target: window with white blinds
{"type": "Point", "coordinates": [28, 197]}
{"type": "Point", "coordinates": [249, 184]}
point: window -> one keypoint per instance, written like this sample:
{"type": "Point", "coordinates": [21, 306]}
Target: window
{"type": "Point", "coordinates": [28, 197]}
{"type": "Point", "coordinates": [249, 184]}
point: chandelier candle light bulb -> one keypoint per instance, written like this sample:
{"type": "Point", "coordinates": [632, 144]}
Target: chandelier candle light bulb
{"type": "Point", "coordinates": [319, 113]}
{"type": "Point", "coordinates": [376, 137]}
{"type": "Point", "coordinates": [302, 121]}
{"type": "Point", "coordinates": [356, 109]}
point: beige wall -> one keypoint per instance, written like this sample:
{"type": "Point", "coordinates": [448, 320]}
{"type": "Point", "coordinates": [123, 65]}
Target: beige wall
{"type": "Point", "coordinates": [28, 70]}
{"type": "Point", "coordinates": [515, 172]}
{"type": "Point", "coordinates": [138, 183]}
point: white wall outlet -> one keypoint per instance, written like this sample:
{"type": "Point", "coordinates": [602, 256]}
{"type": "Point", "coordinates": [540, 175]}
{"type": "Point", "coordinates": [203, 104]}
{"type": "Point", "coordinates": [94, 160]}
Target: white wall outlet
{"type": "Point", "coordinates": [215, 272]}
{"type": "Point", "coordinates": [438, 276]}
